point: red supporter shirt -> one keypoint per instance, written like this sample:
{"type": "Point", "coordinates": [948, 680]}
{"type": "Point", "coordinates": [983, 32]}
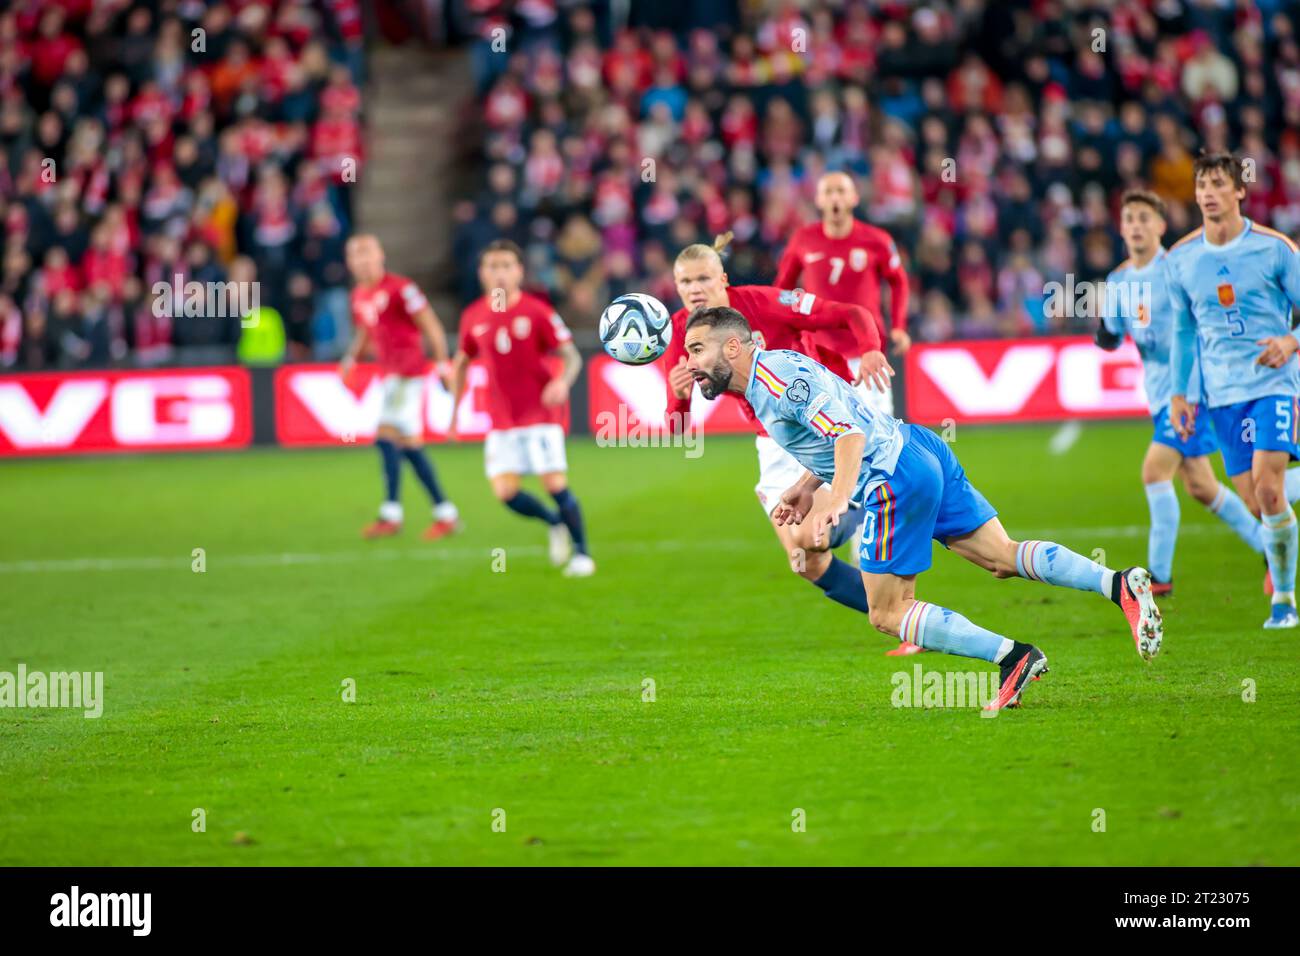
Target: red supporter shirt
{"type": "Point", "coordinates": [779, 319]}
{"type": "Point", "coordinates": [846, 270]}
{"type": "Point", "coordinates": [515, 346]}
{"type": "Point", "coordinates": [387, 310]}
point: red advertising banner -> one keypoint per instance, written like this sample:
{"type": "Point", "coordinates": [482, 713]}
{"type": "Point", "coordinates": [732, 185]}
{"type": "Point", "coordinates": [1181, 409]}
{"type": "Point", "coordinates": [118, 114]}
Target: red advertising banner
{"type": "Point", "coordinates": [50, 413]}
{"type": "Point", "coordinates": [313, 406]}
{"type": "Point", "coordinates": [1023, 380]}
{"type": "Point", "coordinates": [622, 397]}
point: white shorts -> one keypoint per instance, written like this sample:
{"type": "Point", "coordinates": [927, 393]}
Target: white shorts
{"type": "Point", "coordinates": [403, 405]}
{"type": "Point", "coordinates": [777, 471]}
{"type": "Point", "coordinates": [530, 450]}
{"type": "Point", "coordinates": [877, 400]}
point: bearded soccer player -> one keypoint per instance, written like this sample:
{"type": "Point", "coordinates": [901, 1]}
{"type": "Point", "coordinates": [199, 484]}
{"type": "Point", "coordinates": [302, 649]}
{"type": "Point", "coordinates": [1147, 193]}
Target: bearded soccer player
{"type": "Point", "coordinates": [391, 313]}
{"type": "Point", "coordinates": [845, 259]}
{"type": "Point", "coordinates": [1232, 286]}
{"type": "Point", "coordinates": [911, 488]}
{"type": "Point", "coordinates": [518, 338]}
{"type": "Point", "coordinates": [779, 320]}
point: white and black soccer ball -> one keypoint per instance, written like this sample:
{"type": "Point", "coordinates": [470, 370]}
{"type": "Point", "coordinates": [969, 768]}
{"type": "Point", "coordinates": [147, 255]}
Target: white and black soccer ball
{"type": "Point", "coordinates": [636, 328]}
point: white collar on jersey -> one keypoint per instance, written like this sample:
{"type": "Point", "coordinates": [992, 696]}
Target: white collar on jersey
{"type": "Point", "coordinates": [1205, 237]}
{"type": "Point", "coordinates": [1155, 261]}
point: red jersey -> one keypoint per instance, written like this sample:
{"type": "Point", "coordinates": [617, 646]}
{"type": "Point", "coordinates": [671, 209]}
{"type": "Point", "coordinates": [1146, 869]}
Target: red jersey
{"type": "Point", "coordinates": [779, 318]}
{"type": "Point", "coordinates": [846, 270]}
{"type": "Point", "coordinates": [387, 311]}
{"type": "Point", "coordinates": [515, 347]}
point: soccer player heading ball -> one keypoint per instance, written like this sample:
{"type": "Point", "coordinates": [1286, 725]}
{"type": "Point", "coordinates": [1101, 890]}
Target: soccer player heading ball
{"type": "Point", "coordinates": [778, 319]}
{"type": "Point", "coordinates": [912, 488]}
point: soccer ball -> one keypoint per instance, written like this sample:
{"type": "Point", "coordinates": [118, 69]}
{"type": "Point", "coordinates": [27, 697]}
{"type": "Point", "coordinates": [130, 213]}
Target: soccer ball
{"type": "Point", "coordinates": [635, 328]}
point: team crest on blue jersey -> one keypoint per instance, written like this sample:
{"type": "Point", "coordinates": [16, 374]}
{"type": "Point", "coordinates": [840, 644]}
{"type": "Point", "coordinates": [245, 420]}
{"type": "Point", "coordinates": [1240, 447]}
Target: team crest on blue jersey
{"type": "Point", "coordinates": [798, 391]}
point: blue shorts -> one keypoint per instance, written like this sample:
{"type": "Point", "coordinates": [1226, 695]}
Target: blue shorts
{"type": "Point", "coordinates": [1261, 424]}
{"type": "Point", "coordinates": [927, 497]}
{"type": "Point", "coordinates": [1200, 443]}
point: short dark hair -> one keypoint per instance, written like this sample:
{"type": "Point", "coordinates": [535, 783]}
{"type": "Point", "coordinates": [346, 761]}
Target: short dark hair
{"type": "Point", "coordinates": [1144, 196]}
{"type": "Point", "coordinates": [502, 245]}
{"type": "Point", "coordinates": [720, 317]}
{"type": "Point", "coordinates": [1221, 160]}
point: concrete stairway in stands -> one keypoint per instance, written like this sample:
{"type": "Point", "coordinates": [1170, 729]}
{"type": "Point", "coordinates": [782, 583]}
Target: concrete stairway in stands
{"type": "Point", "coordinates": [415, 103]}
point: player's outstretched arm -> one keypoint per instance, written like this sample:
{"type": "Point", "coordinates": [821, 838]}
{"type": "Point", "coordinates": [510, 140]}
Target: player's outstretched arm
{"type": "Point", "coordinates": [848, 465]}
{"type": "Point", "coordinates": [874, 369]}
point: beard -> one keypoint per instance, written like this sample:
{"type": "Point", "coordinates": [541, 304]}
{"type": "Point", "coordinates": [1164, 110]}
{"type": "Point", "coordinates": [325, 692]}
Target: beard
{"type": "Point", "coordinates": [716, 380]}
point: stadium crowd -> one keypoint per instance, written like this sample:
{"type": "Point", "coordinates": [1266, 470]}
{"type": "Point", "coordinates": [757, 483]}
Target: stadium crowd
{"type": "Point", "coordinates": [208, 140]}
{"type": "Point", "coordinates": [992, 139]}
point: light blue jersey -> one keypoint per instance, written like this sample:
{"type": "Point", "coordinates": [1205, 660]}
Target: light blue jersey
{"type": "Point", "coordinates": [1225, 299]}
{"type": "Point", "coordinates": [806, 408]}
{"type": "Point", "coordinates": [1137, 305]}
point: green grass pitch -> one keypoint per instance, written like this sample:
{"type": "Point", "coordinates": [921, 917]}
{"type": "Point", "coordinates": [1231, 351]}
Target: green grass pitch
{"type": "Point", "coordinates": [480, 691]}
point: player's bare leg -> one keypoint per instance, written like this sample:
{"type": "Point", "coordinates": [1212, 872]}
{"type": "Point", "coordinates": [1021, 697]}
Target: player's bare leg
{"type": "Point", "coordinates": [389, 522]}
{"type": "Point", "coordinates": [570, 533]}
{"type": "Point", "coordinates": [1268, 475]}
{"type": "Point", "coordinates": [446, 519]}
{"type": "Point", "coordinates": [991, 548]}
{"type": "Point", "coordinates": [896, 611]}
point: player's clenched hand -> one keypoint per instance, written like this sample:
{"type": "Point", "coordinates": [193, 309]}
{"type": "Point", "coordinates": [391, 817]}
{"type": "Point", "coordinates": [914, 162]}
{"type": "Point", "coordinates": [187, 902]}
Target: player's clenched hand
{"type": "Point", "coordinates": [900, 340]}
{"type": "Point", "coordinates": [1182, 415]}
{"type": "Point", "coordinates": [556, 392]}
{"type": "Point", "coordinates": [1277, 349]}
{"type": "Point", "coordinates": [875, 370]}
{"type": "Point", "coordinates": [823, 521]}
{"type": "Point", "coordinates": [680, 380]}
{"type": "Point", "coordinates": [796, 502]}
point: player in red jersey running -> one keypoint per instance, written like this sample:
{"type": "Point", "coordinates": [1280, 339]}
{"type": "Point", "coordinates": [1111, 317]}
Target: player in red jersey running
{"type": "Point", "coordinates": [516, 337]}
{"type": "Point", "coordinates": [778, 319]}
{"type": "Point", "coordinates": [391, 313]}
{"type": "Point", "coordinates": [845, 259]}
